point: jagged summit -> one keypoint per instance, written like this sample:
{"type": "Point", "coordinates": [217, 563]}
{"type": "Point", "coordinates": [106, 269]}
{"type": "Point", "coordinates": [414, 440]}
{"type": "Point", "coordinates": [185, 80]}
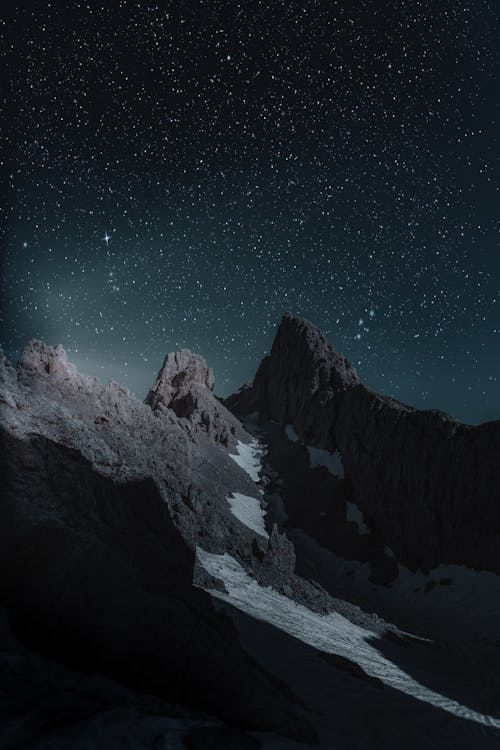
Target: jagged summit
{"type": "Point", "coordinates": [185, 385]}
{"type": "Point", "coordinates": [302, 336]}
{"type": "Point", "coordinates": [39, 357]}
{"type": "Point", "coordinates": [428, 484]}
{"type": "Point", "coordinates": [302, 364]}
{"type": "Point", "coordinates": [114, 496]}
{"type": "Point", "coordinates": [180, 370]}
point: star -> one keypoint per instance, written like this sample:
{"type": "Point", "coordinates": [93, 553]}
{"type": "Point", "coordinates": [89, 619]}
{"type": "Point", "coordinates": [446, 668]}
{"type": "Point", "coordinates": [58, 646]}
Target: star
{"type": "Point", "coordinates": [266, 204]}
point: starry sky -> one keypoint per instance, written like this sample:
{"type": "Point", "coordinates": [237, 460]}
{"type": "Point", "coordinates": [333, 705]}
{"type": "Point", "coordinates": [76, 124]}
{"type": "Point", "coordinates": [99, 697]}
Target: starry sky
{"type": "Point", "coordinates": [181, 173]}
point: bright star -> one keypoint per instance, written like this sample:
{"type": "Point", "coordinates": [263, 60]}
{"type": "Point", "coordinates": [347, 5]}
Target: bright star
{"type": "Point", "coordinates": [106, 238]}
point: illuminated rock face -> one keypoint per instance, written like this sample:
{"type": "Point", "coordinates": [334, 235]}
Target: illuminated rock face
{"type": "Point", "coordinates": [427, 485]}
{"type": "Point", "coordinates": [180, 371]}
{"type": "Point", "coordinates": [104, 500]}
{"type": "Point", "coordinates": [185, 385]}
{"type": "Point", "coordinates": [111, 509]}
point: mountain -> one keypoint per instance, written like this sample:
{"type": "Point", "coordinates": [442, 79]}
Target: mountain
{"type": "Point", "coordinates": [104, 501]}
{"type": "Point", "coordinates": [428, 486]}
{"type": "Point", "coordinates": [296, 564]}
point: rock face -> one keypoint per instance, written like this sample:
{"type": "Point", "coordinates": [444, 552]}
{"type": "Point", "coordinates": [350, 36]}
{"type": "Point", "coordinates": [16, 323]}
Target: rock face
{"type": "Point", "coordinates": [47, 704]}
{"type": "Point", "coordinates": [104, 501]}
{"type": "Point", "coordinates": [428, 486]}
{"type": "Point", "coordinates": [185, 385]}
{"type": "Point", "coordinates": [180, 371]}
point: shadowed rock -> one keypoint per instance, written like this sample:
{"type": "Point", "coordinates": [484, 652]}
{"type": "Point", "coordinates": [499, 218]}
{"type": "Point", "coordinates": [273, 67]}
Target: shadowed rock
{"type": "Point", "coordinates": [96, 574]}
{"type": "Point", "coordinates": [427, 485]}
{"type": "Point", "coordinates": [103, 503]}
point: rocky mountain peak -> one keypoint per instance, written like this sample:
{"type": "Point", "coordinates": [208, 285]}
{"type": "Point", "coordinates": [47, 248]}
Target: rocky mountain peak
{"type": "Point", "coordinates": [301, 342]}
{"type": "Point", "coordinates": [180, 372]}
{"type": "Point", "coordinates": [185, 386]}
{"type": "Point", "coordinates": [426, 483]}
{"type": "Point", "coordinates": [301, 366]}
{"type": "Point", "coordinates": [37, 357]}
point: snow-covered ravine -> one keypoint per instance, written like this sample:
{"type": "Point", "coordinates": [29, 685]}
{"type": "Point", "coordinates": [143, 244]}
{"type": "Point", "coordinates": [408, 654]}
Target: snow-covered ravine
{"type": "Point", "coordinates": [330, 633]}
{"type": "Point", "coordinates": [249, 456]}
{"type": "Point", "coordinates": [470, 600]}
{"type": "Point", "coordinates": [247, 510]}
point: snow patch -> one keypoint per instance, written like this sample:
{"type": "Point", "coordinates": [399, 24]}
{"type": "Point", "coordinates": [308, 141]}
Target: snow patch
{"type": "Point", "coordinates": [332, 633]}
{"type": "Point", "coordinates": [247, 510]}
{"type": "Point", "coordinates": [407, 597]}
{"type": "Point", "coordinates": [291, 434]}
{"type": "Point", "coordinates": [354, 514]}
{"type": "Point", "coordinates": [249, 458]}
{"type": "Point", "coordinates": [330, 461]}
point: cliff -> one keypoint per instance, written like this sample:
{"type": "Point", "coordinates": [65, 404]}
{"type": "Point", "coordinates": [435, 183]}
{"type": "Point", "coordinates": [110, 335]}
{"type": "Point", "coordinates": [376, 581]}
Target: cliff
{"type": "Point", "coordinates": [428, 485]}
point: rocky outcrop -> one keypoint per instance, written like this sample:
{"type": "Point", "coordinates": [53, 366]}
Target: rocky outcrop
{"type": "Point", "coordinates": [38, 358]}
{"type": "Point", "coordinates": [127, 440]}
{"type": "Point", "coordinates": [179, 373]}
{"type": "Point", "coordinates": [185, 385]}
{"type": "Point", "coordinates": [104, 501]}
{"type": "Point", "coordinates": [299, 377]}
{"type": "Point", "coordinates": [427, 485]}
{"type": "Point", "coordinates": [279, 556]}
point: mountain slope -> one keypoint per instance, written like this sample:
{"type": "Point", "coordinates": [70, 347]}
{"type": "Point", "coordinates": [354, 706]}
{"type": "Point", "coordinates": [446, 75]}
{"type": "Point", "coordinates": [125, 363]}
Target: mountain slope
{"type": "Point", "coordinates": [103, 504]}
{"type": "Point", "coordinates": [428, 486]}
{"type": "Point", "coordinates": [144, 542]}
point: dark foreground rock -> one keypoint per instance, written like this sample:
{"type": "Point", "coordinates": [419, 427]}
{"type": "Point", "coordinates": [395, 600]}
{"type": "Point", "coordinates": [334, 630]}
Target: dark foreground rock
{"type": "Point", "coordinates": [103, 504]}
{"type": "Point", "coordinates": [219, 738]}
{"type": "Point", "coordinates": [49, 706]}
{"type": "Point", "coordinates": [95, 573]}
{"type": "Point", "coordinates": [427, 485]}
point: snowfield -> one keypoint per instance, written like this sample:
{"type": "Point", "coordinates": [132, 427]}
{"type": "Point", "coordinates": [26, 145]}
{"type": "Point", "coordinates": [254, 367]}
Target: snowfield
{"type": "Point", "coordinates": [247, 510]}
{"type": "Point", "coordinates": [332, 633]}
{"type": "Point", "coordinates": [319, 456]}
{"type": "Point", "coordinates": [249, 458]}
{"type": "Point", "coordinates": [355, 514]}
{"type": "Point", "coordinates": [330, 461]}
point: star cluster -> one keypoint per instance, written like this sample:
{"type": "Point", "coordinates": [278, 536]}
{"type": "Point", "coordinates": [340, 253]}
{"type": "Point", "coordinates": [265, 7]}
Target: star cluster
{"type": "Point", "coordinates": [180, 174]}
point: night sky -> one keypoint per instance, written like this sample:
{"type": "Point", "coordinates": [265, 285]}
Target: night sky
{"type": "Point", "coordinates": [180, 174]}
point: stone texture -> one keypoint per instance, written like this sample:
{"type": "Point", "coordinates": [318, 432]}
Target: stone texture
{"type": "Point", "coordinates": [104, 500]}
{"type": "Point", "coordinates": [47, 705]}
{"type": "Point", "coordinates": [185, 385]}
{"type": "Point", "coordinates": [180, 371]}
{"type": "Point", "coordinates": [427, 485]}
{"type": "Point", "coordinates": [278, 562]}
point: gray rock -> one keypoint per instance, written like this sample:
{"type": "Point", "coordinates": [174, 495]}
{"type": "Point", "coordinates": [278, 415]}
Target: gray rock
{"type": "Point", "coordinates": [277, 564]}
{"type": "Point", "coordinates": [428, 484]}
{"type": "Point", "coordinates": [185, 385]}
{"type": "Point", "coordinates": [179, 372]}
{"type": "Point", "coordinates": [104, 500]}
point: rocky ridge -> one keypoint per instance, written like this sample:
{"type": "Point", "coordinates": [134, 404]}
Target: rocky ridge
{"type": "Point", "coordinates": [112, 509]}
{"type": "Point", "coordinates": [185, 386]}
{"type": "Point", "coordinates": [427, 485]}
{"type": "Point", "coordinates": [105, 500]}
